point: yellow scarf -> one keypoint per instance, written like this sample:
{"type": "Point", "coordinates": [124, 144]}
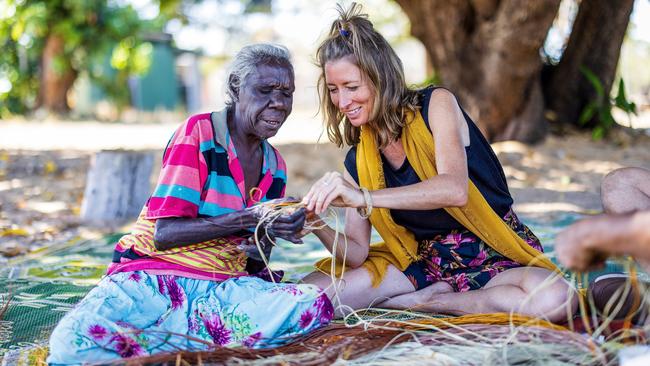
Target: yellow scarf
{"type": "Point", "coordinates": [400, 247]}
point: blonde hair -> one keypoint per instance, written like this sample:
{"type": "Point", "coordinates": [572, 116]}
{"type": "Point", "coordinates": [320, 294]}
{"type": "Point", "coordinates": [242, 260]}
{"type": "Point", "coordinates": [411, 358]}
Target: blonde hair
{"type": "Point", "coordinates": [352, 35]}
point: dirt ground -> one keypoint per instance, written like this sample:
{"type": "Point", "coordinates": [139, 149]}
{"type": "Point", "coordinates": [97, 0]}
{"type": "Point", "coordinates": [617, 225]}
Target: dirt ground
{"type": "Point", "coordinates": [41, 191]}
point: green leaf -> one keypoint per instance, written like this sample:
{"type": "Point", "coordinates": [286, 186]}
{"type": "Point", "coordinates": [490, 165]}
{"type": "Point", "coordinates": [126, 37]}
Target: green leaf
{"type": "Point", "coordinates": [606, 120]}
{"type": "Point", "coordinates": [120, 56]}
{"type": "Point", "coordinates": [141, 58]}
{"type": "Point", "coordinates": [594, 80]}
{"type": "Point", "coordinates": [598, 133]}
{"type": "Point", "coordinates": [60, 64]}
{"type": "Point", "coordinates": [588, 113]}
{"type": "Point", "coordinates": [620, 96]}
{"type": "Point", "coordinates": [632, 108]}
{"type": "Point", "coordinates": [621, 100]}
{"type": "Point", "coordinates": [17, 30]}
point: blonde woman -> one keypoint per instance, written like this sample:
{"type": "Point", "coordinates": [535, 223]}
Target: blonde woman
{"type": "Point", "coordinates": [420, 172]}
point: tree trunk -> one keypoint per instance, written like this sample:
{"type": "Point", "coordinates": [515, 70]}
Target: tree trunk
{"type": "Point", "coordinates": [487, 53]}
{"type": "Point", "coordinates": [57, 76]}
{"type": "Point", "coordinates": [595, 43]}
{"type": "Point", "coordinates": [117, 187]}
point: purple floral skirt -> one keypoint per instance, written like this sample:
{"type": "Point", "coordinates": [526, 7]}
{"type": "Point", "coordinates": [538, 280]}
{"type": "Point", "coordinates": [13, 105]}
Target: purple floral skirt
{"type": "Point", "coordinates": [133, 314]}
{"type": "Point", "coordinates": [463, 260]}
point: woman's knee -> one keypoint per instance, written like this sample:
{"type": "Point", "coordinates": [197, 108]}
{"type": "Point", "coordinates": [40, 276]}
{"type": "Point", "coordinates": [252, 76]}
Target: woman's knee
{"type": "Point", "coordinates": [621, 185]}
{"type": "Point", "coordinates": [317, 278]}
{"type": "Point", "coordinates": [616, 180]}
{"type": "Point", "coordinates": [562, 305]}
{"type": "Point", "coordinates": [563, 296]}
{"type": "Point", "coordinates": [554, 297]}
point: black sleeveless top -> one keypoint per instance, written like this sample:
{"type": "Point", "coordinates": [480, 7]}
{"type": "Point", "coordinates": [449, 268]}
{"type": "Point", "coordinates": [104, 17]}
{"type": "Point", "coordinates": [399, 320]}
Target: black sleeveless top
{"type": "Point", "coordinates": [484, 170]}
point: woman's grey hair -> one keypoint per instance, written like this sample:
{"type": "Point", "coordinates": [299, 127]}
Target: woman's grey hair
{"type": "Point", "coordinates": [248, 59]}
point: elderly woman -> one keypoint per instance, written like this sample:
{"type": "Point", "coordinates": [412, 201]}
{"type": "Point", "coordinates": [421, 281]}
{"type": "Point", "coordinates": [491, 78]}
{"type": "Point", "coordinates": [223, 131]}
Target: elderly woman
{"type": "Point", "coordinates": [179, 280]}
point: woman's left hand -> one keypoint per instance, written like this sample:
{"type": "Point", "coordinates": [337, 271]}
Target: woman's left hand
{"type": "Point", "coordinates": [332, 189]}
{"type": "Point", "coordinates": [249, 246]}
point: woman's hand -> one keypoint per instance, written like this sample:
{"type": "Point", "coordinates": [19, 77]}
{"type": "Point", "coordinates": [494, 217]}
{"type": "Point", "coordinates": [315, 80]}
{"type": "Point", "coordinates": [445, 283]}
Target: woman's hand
{"type": "Point", "coordinates": [287, 226]}
{"type": "Point", "coordinates": [332, 189]}
{"type": "Point", "coordinates": [587, 243]}
{"type": "Point", "coordinates": [313, 222]}
{"type": "Point", "coordinates": [575, 249]}
{"type": "Point", "coordinates": [249, 246]}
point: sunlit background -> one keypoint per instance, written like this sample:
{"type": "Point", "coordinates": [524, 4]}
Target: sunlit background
{"type": "Point", "coordinates": [178, 67]}
{"type": "Point", "coordinates": [81, 76]}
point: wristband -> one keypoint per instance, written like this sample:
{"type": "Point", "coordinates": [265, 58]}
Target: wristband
{"type": "Point", "coordinates": [365, 211]}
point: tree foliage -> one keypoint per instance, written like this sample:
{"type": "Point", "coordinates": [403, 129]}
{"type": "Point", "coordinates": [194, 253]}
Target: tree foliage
{"type": "Point", "coordinates": [577, 89]}
{"type": "Point", "coordinates": [49, 43]}
{"type": "Point", "coordinates": [599, 110]}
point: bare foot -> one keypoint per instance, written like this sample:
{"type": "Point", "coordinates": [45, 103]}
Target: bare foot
{"type": "Point", "coordinates": [418, 298]}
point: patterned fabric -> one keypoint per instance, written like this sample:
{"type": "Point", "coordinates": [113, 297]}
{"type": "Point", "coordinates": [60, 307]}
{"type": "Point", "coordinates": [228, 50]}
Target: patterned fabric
{"type": "Point", "coordinates": [216, 260]}
{"type": "Point", "coordinates": [463, 260]}
{"type": "Point", "coordinates": [201, 176]}
{"type": "Point", "coordinates": [135, 314]}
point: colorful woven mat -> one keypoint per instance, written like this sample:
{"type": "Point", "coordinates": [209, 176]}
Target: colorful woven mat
{"type": "Point", "coordinates": [44, 285]}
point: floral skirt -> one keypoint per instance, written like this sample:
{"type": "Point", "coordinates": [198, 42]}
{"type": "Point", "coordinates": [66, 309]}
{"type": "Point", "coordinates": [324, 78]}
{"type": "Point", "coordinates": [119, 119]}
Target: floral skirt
{"type": "Point", "coordinates": [463, 260]}
{"type": "Point", "coordinates": [136, 314]}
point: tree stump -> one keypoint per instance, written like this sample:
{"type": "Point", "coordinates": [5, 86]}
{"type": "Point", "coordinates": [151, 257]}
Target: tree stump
{"type": "Point", "coordinates": [117, 187]}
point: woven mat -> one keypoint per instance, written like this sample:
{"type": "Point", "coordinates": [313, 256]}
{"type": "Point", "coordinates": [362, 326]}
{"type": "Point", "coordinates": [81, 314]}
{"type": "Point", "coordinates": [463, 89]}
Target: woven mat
{"type": "Point", "coordinates": [45, 285]}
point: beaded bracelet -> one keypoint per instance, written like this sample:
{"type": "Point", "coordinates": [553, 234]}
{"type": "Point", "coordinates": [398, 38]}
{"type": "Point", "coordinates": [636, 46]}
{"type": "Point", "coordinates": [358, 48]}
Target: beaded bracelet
{"type": "Point", "coordinates": [365, 211]}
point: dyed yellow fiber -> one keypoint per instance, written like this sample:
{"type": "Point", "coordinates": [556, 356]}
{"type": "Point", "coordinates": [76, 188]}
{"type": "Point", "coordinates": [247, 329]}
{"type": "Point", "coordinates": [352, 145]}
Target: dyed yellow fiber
{"type": "Point", "coordinates": [399, 247]}
{"type": "Point", "coordinates": [488, 319]}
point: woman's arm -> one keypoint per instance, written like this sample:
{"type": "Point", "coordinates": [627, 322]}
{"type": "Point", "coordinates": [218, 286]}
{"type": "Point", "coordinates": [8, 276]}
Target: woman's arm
{"type": "Point", "coordinates": [589, 242]}
{"type": "Point", "coordinates": [449, 187]}
{"type": "Point", "coordinates": [178, 232]}
{"type": "Point", "coordinates": [638, 238]}
{"type": "Point", "coordinates": [354, 245]}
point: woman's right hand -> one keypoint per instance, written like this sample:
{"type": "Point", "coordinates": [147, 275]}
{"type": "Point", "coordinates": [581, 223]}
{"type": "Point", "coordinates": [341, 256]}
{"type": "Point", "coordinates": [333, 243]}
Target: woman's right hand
{"type": "Point", "coordinates": [332, 189]}
{"type": "Point", "coordinates": [576, 246]}
{"type": "Point", "coordinates": [287, 226]}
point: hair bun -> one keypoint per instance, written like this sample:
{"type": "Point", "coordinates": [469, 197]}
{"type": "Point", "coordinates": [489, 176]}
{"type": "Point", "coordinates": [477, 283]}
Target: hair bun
{"type": "Point", "coordinates": [343, 32]}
